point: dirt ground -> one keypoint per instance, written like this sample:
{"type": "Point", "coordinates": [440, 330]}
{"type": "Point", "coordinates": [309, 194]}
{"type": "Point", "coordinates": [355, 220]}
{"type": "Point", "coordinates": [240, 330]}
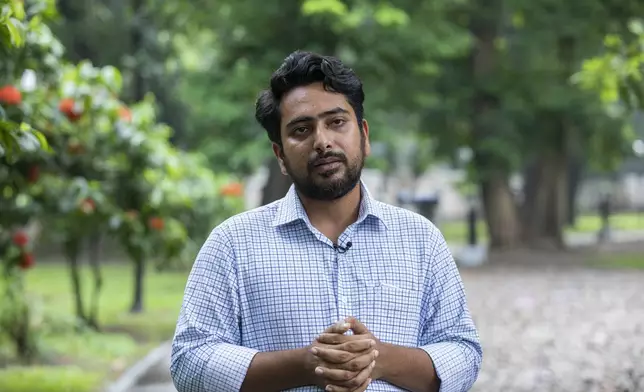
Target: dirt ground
{"type": "Point", "coordinates": [550, 322]}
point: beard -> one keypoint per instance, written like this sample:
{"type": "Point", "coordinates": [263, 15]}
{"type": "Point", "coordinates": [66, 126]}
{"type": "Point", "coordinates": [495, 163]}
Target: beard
{"type": "Point", "coordinates": [327, 185]}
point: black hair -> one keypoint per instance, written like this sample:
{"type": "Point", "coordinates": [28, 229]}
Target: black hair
{"type": "Point", "coordinates": [302, 68]}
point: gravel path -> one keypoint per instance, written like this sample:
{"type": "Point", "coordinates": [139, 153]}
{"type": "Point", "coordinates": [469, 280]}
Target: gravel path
{"type": "Point", "coordinates": [559, 328]}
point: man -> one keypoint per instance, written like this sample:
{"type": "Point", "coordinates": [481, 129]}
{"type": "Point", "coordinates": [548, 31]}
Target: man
{"type": "Point", "coordinates": [325, 289]}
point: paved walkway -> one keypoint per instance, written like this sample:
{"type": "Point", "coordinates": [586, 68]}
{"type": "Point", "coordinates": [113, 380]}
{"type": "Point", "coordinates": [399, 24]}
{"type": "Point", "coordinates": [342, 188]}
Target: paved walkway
{"type": "Point", "coordinates": [158, 378]}
{"type": "Point", "coordinates": [559, 329]}
{"type": "Point", "coordinates": [546, 328]}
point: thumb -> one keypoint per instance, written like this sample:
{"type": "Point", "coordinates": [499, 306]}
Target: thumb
{"type": "Point", "coordinates": [357, 327]}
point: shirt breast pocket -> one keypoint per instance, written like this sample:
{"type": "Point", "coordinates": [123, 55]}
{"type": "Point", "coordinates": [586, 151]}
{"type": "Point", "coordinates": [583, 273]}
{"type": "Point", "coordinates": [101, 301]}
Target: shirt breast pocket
{"type": "Point", "coordinates": [392, 304]}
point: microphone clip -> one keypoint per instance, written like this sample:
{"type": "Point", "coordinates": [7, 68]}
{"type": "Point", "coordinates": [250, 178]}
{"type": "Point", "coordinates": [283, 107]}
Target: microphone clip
{"type": "Point", "coordinates": [343, 249]}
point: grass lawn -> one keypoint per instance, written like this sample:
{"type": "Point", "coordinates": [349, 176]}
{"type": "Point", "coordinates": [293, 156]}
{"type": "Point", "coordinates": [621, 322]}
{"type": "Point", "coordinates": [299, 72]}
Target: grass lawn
{"type": "Point", "coordinates": [456, 231]}
{"type": "Point", "coordinates": [625, 261]}
{"type": "Point", "coordinates": [86, 361]}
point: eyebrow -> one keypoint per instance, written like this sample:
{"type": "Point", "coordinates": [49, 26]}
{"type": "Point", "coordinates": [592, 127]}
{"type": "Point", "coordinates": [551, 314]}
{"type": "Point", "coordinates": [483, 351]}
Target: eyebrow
{"type": "Point", "coordinates": [327, 113]}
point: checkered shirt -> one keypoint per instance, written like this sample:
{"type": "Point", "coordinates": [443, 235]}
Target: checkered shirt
{"type": "Point", "coordinates": [267, 280]}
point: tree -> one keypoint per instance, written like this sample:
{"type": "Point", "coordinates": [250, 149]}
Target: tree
{"type": "Point", "coordinates": [97, 168]}
{"type": "Point", "coordinates": [511, 101]}
{"type": "Point", "coordinates": [20, 147]}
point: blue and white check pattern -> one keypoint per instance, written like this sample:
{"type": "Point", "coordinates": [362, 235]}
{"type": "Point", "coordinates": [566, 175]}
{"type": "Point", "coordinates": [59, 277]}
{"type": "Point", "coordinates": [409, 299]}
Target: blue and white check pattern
{"type": "Point", "coordinates": [267, 280]}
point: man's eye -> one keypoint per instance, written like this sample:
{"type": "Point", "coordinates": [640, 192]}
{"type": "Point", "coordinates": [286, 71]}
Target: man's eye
{"type": "Point", "coordinates": [338, 122]}
{"type": "Point", "coordinates": [300, 130]}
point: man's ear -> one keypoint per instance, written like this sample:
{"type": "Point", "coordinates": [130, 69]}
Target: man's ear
{"type": "Point", "coordinates": [279, 154]}
{"type": "Point", "coordinates": [367, 144]}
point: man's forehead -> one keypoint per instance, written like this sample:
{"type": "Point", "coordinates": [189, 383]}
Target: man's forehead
{"type": "Point", "coordinates": [312, 100]}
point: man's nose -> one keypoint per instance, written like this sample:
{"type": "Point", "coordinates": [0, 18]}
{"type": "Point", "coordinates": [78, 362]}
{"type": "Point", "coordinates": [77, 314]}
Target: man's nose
{"type": "Point", "coordinates": [322, 138]}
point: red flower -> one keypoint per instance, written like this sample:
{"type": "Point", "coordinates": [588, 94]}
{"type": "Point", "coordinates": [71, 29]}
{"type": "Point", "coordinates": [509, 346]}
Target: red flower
{"type": "Point", "coordinates": [125, 114]}
{"type": "Point", "coordinates": [234, 189]}
{"type": "Point", "coordinates": [156, 223]}
{"type": "Point", "coordinates": [27, 261]}
{"type": "Point", "coordinates": [20, 238]}
{"type": "Point", "coordinates": [9, 95]}
{"type": "Point", "coordinates": [33, 174]}
{"type": "Point", "coordinates": [67, 107]}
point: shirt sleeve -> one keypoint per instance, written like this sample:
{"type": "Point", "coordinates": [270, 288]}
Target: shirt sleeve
{"type": "Point", "coordinates": [449, 335]}
{"type": "Point", "coordinates": [206, 351]}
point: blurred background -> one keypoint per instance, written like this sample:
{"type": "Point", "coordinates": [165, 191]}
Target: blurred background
{"type": "Point", "coordinates": [127, 133]}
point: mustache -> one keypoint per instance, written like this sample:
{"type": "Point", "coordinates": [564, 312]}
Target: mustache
{"type": "Point", "coordinates": [316, 160]}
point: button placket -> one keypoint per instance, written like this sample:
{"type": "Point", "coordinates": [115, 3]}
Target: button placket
{"type": "Point", "coordinates": [344, 287]}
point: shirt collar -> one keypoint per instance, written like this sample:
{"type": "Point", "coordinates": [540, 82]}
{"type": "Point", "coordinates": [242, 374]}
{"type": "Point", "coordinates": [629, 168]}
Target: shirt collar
{"type": "Point", "coordinates": [291, 208]}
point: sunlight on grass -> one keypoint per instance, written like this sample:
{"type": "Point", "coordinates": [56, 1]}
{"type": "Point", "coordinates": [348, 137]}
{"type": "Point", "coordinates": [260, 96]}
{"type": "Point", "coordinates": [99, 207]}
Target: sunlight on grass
{"type": "Point", "coordinates": [91, 347]}
{"type": "Point", "coordinates": [163, 293]}
{"type": "Point", "coordinates": [456, 231]}
{"type": "Point", "coordinates": [49, 379]}
{"type": "Point", "coordinates": [592, 223]}
{"type": "Point", "coordinates": [626, 261]}
{"type": "Point", "coordinates": [83, 361]}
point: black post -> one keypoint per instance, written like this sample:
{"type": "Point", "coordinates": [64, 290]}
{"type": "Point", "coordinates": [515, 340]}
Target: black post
{"type": "Point", "coordinates": [604, 214]}
{"type": "Point", "coordinates": [471, 227]}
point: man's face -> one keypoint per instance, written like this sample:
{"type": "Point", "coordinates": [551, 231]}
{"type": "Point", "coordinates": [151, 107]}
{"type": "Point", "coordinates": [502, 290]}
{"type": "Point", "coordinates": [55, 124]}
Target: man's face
{"type": "Point", "coordinates": [323, 148]}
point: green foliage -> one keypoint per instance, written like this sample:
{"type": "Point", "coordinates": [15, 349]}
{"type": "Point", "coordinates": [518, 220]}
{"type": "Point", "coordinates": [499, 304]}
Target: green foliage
{"type": "Point", "coordinates": [617, 74]}
{"type": "Point", "coordinates": [95, 166]}
{"type": "Point", "coordinates": [12, 14]}
{"type": "Point", "coordinates": [394, 47]}
{"type": "Point", "coordinates": [49, 379]}
{"type": "Point", "coordinates": [16, 135]}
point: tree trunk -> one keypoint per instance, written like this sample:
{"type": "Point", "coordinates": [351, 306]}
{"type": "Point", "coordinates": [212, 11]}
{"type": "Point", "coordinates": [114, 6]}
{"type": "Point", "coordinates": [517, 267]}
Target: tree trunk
{"type": "Point", "coordinates": [500, 213]}
{"type": "Point", "coordinates": [95, 242]}
{"type": "Point", "coordinates": [17, 322]}
{"type": "Point", "coordinates": [72, 250]}
{"type": "Point", "coordinates": [575, 173]}
{"type": "Point", "coordinates": [498, 202]}
{"type": "Point", "coordinates": [23, 338]}
{"type": "Point", "coordinates": [546, 203]}
{"type": "Point", "coordinates": [277, 184]}
{"type": "Point", "coordinates": [138, 85]}
{"type": "Point", "coordinates": [139, 272]}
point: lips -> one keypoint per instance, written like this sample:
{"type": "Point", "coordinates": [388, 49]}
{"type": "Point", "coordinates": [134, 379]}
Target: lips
{"type": "Point", "coordinates": [325, 161]}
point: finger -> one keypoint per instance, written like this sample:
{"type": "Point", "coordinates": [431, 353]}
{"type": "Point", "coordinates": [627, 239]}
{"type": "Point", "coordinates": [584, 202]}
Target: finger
{"type": "Point", "coordinates": [334, 338]}
{"type": "Point", "coordinates": [358, 383]}
{"type": "Point", "coordinates": [357, 346]}
{"type": "Point", "coordinates": [357, 327]}
{"type": "Point", "coordinates": [339, 327]}
{"type": "Point", "coordinates": [361, 388]}
{"type": "Point", "coordinates": [360, 362]}
{"type": "Point", "coordinates": [332, 356]}
{"type": "Point", "coordinates": [332, 376]}
{"type": "Point", "coordinates": [364, 386]}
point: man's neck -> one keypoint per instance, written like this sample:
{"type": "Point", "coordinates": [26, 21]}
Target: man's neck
{"type": "Point", "coordinates": [333, 217]}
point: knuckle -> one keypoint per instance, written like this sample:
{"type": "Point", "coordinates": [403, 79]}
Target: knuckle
{"type": "Point", "coordinates": [347, 376]}
{"type": "Point", "coordinates": [344, 356]}
{"type": "Point", "coordinates": [355, 382]}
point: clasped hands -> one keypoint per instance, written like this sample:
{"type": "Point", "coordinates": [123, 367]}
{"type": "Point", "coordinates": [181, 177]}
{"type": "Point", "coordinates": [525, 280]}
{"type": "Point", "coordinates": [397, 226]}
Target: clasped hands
{"type": "Point", "coordinates": [345, 363]}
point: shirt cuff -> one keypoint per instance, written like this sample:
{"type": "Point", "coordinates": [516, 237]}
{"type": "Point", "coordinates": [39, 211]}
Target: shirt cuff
{"type": "Point", "coordinates": [448, 364]}
{"type": "Point", "coordinates": [227, 367]}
